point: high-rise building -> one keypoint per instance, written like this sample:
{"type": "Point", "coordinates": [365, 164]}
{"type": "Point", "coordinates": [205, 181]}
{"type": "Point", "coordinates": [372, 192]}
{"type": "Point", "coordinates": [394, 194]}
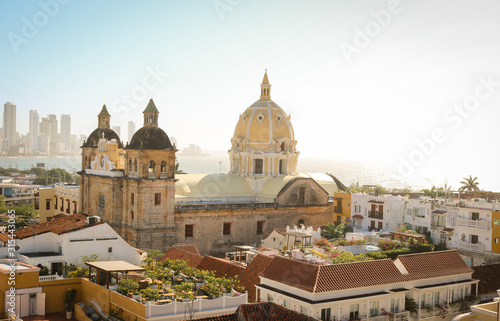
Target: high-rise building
{"type": "Point", "coordinates": [66, 133]}
{"type": "Point", "coordinates": [117, 130]}
{"type": "Point", "coordinates": [131, 130]}
{"type": "Point", "coordinates": [9, 126]}
{"type": "Point", "coordinates": [33, 131]}
{"type": "Point", "coordinates": [48, 127]}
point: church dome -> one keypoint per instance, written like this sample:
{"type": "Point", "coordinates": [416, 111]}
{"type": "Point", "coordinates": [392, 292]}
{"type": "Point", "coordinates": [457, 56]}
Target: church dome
{"type": "Point", "coordinates": [264, 121]}
{"type": "Point", "coordinates": [94, 137]}
{"type": "Point", "coordinates": [150, 138]}
{"type": "Point", "coordinates": [103, 128]}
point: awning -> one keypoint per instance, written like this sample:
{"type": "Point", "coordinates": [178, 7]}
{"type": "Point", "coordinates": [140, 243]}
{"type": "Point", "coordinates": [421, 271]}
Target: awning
{"type": "Point", "coordinates": [448, 229]}
{"type": "Point", "coordinates": [439, 212]}
{"type": "Point", "coordinates": [358, 216]}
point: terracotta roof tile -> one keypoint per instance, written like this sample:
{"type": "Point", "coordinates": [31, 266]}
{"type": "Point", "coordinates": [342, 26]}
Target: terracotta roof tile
{"type": "Point", "coordinates": [58, 226]}
{"type": "Point", "coordinates": [292, 272]}
{"type": "Point", "coordinates": [434, 264]}
{"type": "Point", "coordinates": [250, 276]}
{"type": "Point", "coordinates": [178, 253]}
{"type": "Point", "coordinates": [189, 248]}
{"type": "Point", "coordinates": [355, 275]}
{"type": "Point", "coordinates": [489, 278]}
{"type": "Point", "coordinates": [264, 311]}
{"type": "Point", "coordinates": [335, 277]}
{"type": "Point", "coordinates": [221, 267]}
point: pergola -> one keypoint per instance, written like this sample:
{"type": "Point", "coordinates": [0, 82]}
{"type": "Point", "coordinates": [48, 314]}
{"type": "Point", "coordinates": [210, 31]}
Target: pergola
{"type": "Point", "coordinates": [240, 250]}
{"type": "Point", "coordinates": [109, 267]}
{"type": "Point", "coordinates": [300, 235]}
{"type": "Point", "coordinates": [403, 235]}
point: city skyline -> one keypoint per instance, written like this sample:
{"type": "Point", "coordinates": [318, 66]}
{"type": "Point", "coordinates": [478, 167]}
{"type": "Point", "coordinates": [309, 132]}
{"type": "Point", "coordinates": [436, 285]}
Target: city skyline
{"type": "Point", "coordinates": [412, 85]}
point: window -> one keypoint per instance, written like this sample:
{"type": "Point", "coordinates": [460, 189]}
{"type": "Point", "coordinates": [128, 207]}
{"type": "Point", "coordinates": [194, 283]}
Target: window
{"type": "Point", "coordinates": [303, 310]}
{"type": "Point", "coordinates": [47, 205]}
{"type": "Point", "coordinates": [188, 232]}
{"type": "Point", "coordinates": [380, 225]}
{"type": "Point", "coordinates": [286, 304]}
{"type": "Point", "coordinates": [474, 239]}
{"type": "Point", "coordinates": [496, 221]}
{"type": "Point", "coordinates": [394, 305]}
{"type": "Point", "coordinates": [441, 220]}
{"type": "Point", "coordinates": [226, 230]}
{"type": "Point", "coordinates": [354, 311]}
{"type": "Point", "coordinates": [260, 227]}
{"type": "Point", "coordinates": [373, 308]}
{"type": "Point", "coordinates": [163, 167]}
{"type": "Point", "coordinates": [495, 240]}
{"type": "Point", "coordinates": [151, 167]}
{"type": "Point", "coordinates": [467, 290]}
{"type": "Point", "coordinates": [436, 298]}
{"type": "Point", "coordinates": [59, 250]}
{"type": "Point", "coordinates": [302, 195]}
{"type": "Point", "coordinates": [130, 165]}
{"type": "Point", "coordinates": [357, 208]}
{"type": "Point", "coordinates": [422, 301]}
{"type": "Point", "coordinates": [258, 166]}
{"type": "Point", "coordinates": [475, 216]}
{"type": "Point", "coordinates": [326, 314]}
{"type": "Point", "coordinates": [302, 222]}
{"type": "Point", "coordinates": [132, 201]}
{"type": "Point", "coordinates": [157, 199]}
{"type": "Point", "coordinates": [282, 168]}
{"type": "Point", "coordinates": [339, 219]}
{"type": "Point", "coordinates": [135, 165]}
{"type": "Point", "coordinates": [110, 250]}
{"type": "Point", "coordinates": [270, 298]}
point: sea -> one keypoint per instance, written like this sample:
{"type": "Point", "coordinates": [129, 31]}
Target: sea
{"type": "Point", "coordinates": [346, 170]}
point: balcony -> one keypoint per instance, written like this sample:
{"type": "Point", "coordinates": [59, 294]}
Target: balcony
{"type": "Point", "coordinates": [402, 316]}
{"type": "Point", "coordinates": [337, 209]}
{"type": "Point", "coordinates": [376, 214]}
{"type": "Point", "coordinates": [483, 225]}
{"type": "Point", "coordinates": [471, 247]}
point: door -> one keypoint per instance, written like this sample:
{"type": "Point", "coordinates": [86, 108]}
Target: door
{"type": "Point", "coordinates": [372, 224]}
{"type": "Point", "coordinates": [40, 303]}
{"type": "Point", "coordinates": [22, 305]}
{"type": "Point", "coordinates": [380, 225]}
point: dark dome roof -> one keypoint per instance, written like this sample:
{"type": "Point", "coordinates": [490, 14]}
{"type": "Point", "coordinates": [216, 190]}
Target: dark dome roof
{"type": "Point", "coordinates": [150, 138]}
{"type": "Point", "coordinates": [109, 134]}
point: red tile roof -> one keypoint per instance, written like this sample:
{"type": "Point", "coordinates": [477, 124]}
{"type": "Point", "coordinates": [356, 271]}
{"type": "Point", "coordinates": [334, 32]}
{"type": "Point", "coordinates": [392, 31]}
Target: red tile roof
{"type": "Point", "coordinates": [250, 276]}
{"type": "Point", "coordinates": [221, 267]}
{"type": "Point", "coordinates": [189, 248]}
{"type": "Point", "coordinates": [489, 278]}
{"type": "Point", "coordinates": [434, 264]}
{"type": "Point", "coordinates": [335, 277]}
{"type": "Point", "coordinates": [58, 226]}
{"type": "Point", "coordinates": [264, 311]}
{"type": "Point", "coordinates": [178, 253]}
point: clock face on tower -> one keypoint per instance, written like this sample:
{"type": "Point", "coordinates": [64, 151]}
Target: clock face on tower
{"type": "Point", "coordinates": [102, 161]}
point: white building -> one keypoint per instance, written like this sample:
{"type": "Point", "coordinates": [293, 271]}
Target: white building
{"type": "Point", "coordinates": [33, 131]}
{"type": "Point", "coordinates": [369, 290]}
{"type": "Point", "coordinates": [9, 126]}
{"type": "Point", "coordinates": [66, 133]}
{"type": "Point", "coordinates": [281, 237]}
{"type": "Point", "coordinates": [65, 240]}
{"type": "Point", "coordinates": [385, 212]}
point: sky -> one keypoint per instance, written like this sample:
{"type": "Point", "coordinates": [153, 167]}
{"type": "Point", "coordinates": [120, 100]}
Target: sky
{"type": "Point", "coordinates": [414, 85]}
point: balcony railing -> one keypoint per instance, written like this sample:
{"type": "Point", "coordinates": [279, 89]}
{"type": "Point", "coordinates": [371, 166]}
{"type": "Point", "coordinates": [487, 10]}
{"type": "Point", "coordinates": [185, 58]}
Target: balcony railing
{"type": "Point", "coordinates": [484, 225]}
{"type": "Point", "coordinates": [337, 209]}
{"type": "Point", "coordinates": [471, 247]}
{"type": "Point", "coordinates": [376, 214]}
{"type": "Point", "coordinates": [401, 316]}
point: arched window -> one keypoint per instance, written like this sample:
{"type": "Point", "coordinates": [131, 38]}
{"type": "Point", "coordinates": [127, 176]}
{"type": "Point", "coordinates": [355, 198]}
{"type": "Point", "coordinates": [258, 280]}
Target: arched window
{"type": "Point", "coordinates": [163, 167]}
{"type": "Point", "coordinates": [282, 147]}
{"type": "Point", "coordinates": [130, 165]}
{"type": "Point", "coordinates": [132, 214]}
{"type": "Point", "coordinates": [151, 167]}
{"type": "Point", "coordinates": [135, 165]}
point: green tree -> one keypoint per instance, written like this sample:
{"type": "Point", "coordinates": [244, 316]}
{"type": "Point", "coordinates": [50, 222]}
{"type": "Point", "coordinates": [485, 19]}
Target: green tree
{"type": "Point", "coordinates": [178, 170]}
{"type": "Point", "coordinates": [469, 184]}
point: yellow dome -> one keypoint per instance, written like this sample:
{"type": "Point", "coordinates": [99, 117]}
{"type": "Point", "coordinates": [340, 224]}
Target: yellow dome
{"type": "Point", "coordinates": [264, 121]}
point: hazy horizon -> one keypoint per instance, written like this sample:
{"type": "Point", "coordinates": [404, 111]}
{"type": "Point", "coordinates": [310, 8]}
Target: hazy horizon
{"type": "Point", "coordinates": [413, 85]}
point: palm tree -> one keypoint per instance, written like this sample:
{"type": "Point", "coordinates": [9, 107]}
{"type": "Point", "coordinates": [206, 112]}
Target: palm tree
{"type": "Point", "coordinates": [469, 185]}
{"type": "Point", "coordinates": [178, 170]}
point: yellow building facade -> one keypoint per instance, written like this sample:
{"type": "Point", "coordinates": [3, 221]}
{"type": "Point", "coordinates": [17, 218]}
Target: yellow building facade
{"type": "Point", "coordinates": [341, 207]}
{"type": "Point", "coordinates": [495, 232]}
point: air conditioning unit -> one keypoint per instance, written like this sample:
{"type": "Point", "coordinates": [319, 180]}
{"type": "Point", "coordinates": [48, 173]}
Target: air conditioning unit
{"type": "Point", "coordinates": [93, 219]}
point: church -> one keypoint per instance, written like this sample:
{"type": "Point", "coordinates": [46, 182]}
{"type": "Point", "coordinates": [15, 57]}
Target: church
{"type": "Point", "coordinates": [134, 187]}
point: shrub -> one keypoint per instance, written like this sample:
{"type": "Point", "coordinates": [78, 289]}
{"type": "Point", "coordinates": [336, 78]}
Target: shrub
{"type": "Point", "coordinates": [376, 255]}
{"type": "Point", "coordinates": [344, 242]}
{"type": "Point", "coordinates": [125, 286]}
{"type": "Point", "coordinates": [386, 245]}
{"type": "Point", "coordinates": [421, 247]}
{"type": "Point", "coordinates": [393, 254]}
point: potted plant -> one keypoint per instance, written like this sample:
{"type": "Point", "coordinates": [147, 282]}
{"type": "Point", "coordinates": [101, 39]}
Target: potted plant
{"type": "Point", "coordinates": [150, 294]}
{"type": "Point", "coordinates": [69, 302]}
{"type": "Point", "coordinates": [126, 286]}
